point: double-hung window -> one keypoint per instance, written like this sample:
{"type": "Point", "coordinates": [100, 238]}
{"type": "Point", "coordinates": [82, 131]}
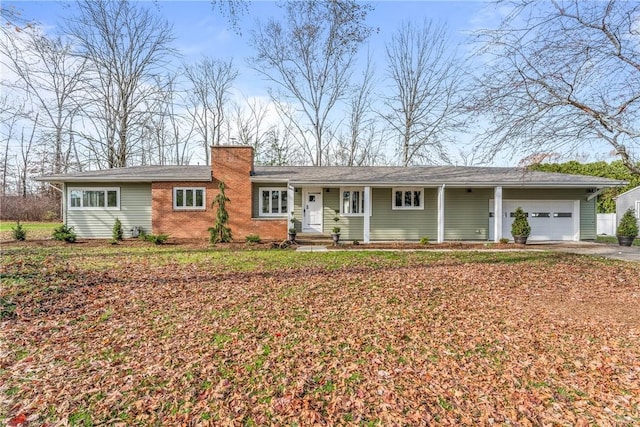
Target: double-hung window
{"type": "Point", "coordinates": [94, 198]}
{"type": "Point", "coordinates": [273, 202]}
{"type": "Point", "coordinates": [408, 198]}
{"type": "Point", "coordinates": [189, 198]}
{"type": "Point", "coordinates": [352, 201]}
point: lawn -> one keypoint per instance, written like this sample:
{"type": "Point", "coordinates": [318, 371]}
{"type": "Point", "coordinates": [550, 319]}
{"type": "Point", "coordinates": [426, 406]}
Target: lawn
{"type": "Point", "coordinates": [171, 335]}
{"type": "Point", "coordinates": [35, 230]}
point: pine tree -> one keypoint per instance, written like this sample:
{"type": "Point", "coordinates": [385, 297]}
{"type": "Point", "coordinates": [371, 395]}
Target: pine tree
{"type": "Point", "coordinates": [220, 232]}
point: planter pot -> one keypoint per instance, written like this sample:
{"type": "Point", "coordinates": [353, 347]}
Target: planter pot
{"type": "Point", "coordinates": [521, 240]}
{"type": "Point", "coordinates": [625, 240]}
{"type": "Point", "coordinates": [292, 237]}
{"type": "Point", "coordinates": [336, 238]}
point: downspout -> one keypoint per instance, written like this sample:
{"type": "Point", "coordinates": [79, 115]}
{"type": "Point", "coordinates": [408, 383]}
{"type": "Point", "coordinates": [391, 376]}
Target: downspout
{"type": "Point", "coordinates": [63, 201]}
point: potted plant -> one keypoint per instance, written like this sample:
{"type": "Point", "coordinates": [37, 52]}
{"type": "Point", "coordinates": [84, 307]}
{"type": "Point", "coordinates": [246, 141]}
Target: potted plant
{"type": "Point", "coordinates": [292, 229]}
{"type": "Point", "coordinates": [335, 232]}
{"type": "Point", "coordinates": [627, 229]}
{"type": "Point", "coordinates": [520, 229]}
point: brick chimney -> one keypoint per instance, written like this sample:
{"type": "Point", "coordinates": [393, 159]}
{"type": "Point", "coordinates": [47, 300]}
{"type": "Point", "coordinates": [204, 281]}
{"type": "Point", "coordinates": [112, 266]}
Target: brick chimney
{"type": "Point", "coordinates": [233, 165]}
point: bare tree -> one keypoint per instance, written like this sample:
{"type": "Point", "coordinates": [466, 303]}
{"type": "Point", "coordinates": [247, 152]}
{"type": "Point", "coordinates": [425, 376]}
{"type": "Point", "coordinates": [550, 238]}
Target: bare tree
{"type": "Point", "coordinates": [361, 145]}
{"type": "Point", "coordinates": [127, 47]}
{"type": "Point", "coordinates": [211, 81]}
{"type": "Point", "coordinates": [250, 125]}
{"type": "Point", "coordinates": [423, 108]}
{"type": "Point", "coordinates": [308, 56]}
{"type": "Point", "coordinates": [25, 161]}
{"type": "Point", "coordinates": [49, 76]}
{"type": "Point", "coordinates": [563, 75]}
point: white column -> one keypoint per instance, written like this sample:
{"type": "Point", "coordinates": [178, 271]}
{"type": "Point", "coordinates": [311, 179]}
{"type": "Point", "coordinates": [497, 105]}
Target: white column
{"type": "Point", "coordinates": [441, 213]}
{"type": "Point", "coordinates": [290, 205]}
{"type": "Point", "coordinates": [497, 214]}
{"type": "Point", "coordinates": [367, 213]}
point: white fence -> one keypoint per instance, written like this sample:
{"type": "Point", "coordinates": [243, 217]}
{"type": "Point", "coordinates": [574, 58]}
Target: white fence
{"type": "Point", "coordinates": [606, 224]}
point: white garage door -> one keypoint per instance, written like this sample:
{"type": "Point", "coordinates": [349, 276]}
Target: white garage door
{"type": "Point", "coordinates": [549, 219]}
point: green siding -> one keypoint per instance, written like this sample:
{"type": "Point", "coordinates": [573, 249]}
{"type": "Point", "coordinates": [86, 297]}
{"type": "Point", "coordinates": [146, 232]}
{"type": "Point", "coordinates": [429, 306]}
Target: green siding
{"type": "Point", "coordinates": [389, 224]}
{"type": "Point", "coordinates": [466, 214]}
{"type": "Point", "coordinates": [297, 209]}
{"type": "Point", "coordinates": [135, 211]}
{"type": "Point", "coordinates": [587, 208]}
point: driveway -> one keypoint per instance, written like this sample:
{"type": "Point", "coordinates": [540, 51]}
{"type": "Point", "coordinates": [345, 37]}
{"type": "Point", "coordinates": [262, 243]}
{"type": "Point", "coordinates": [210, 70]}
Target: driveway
{"type": "Point", "coordinates": [624, 253]}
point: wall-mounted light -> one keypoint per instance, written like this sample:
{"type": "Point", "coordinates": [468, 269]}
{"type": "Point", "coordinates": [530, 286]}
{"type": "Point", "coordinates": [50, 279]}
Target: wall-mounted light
{"type": "Point", "coordinates": [328, 190]}
{"type": "Point", "coordinates": [469, 190]}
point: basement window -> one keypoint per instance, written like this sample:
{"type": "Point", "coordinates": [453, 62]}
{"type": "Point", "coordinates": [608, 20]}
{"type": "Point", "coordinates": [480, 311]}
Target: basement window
{"type": "Point", "coordinates": [192, 198]}
{"type": "Point", "coordinates": [94, 198]}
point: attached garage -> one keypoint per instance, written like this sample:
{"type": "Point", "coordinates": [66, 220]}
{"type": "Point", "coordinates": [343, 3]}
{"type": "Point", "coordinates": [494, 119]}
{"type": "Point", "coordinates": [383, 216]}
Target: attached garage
{"type": "Point", "coordinates": [549, 219]}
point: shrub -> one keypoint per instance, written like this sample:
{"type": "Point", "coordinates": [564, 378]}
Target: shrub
{"type": "Point", "coordinates": [336, 229]}
{"type": "Point", "coordinates": [253, 238]}
{"type": "Point", "coordinates": [424, 240]}
{"type": "Point", "coordinates": [520, 226]}
{"type": "Point", "coordinates": [64, 233]}
{"type": "Point", "coordinates": [18, 232]}
{"type": "Point", "coordinates": [117, 233]}
{"type": "Point", "coordinates": [628, 225]}
{"type": "Point", "coordinates": [504, 240]}
{"type": "Point", "coordinates": [157, 239]}
{"type": "Point", "coordinates": [220, 232]}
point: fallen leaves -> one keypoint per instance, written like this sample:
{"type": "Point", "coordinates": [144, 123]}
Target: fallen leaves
{"type": "Point", "coordinates": [337, 339]}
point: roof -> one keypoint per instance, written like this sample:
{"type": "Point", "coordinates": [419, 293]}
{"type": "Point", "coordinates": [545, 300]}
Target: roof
{"type": "Point", "coordinates": [630, 191]}
{"type": "Point", "coordinates": [461, 176]}
{"type": "Point", "coordinates": [136, 174]}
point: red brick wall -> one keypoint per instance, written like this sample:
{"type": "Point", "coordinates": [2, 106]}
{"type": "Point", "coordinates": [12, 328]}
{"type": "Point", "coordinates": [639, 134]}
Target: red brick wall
{"type": "Point", "coordinates": [233, 165]}
{"type": "Point", "coordinates": [181, 223]}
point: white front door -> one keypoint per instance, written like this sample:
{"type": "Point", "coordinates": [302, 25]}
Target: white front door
{"type": "Point", "coordinates": [312, 210]}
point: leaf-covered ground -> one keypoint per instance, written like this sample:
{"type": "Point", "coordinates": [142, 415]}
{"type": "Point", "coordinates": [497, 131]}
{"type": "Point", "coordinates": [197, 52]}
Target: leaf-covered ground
{"type": "Point", "coordinates": [171, 336]}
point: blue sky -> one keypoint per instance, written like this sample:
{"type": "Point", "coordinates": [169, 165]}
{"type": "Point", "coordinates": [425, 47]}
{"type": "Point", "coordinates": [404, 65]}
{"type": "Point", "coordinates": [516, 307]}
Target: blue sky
{"type": "Point", "coordinates": [200, 30]}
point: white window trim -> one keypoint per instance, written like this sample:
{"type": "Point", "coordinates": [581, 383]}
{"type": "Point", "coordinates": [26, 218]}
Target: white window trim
{"type": "Point", "coordinates": [190, 208]}
{"type": "Point", "coordinates": [404, 208]}
{"type": "Point", "coordinates": [271, 214]}
{"type": "Point", "coordinates": [638, 209]}
{"type": "Point", "coordinates": [362, 207]}
{"type": "Point", "coordinates": [93, 208]}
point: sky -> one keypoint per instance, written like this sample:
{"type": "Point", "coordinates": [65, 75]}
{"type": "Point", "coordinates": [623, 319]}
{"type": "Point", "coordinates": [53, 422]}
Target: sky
{"type": "Point", "coordinates": [200, 30]}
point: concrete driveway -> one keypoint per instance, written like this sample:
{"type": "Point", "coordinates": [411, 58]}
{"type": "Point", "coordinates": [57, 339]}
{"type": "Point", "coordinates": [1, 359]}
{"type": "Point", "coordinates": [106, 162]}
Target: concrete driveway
{"type": "Point", "coordinates": [624, 253]}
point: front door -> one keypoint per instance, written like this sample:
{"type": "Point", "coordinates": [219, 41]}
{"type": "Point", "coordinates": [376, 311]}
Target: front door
{"type": "Point", "coordinates": [312, 210]}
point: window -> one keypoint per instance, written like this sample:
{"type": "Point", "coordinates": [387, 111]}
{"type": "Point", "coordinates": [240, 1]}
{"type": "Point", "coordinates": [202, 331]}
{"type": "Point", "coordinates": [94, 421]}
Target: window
{"type": "Point", "coordinates": [273, 202]}
{"type": "Point", "coordinates": [540, 215]}
{"type": "Point", "coordinates": [562, 215]}
{"type": "Point", "coordinates": [94, 198]}
{"type": "Point", "coordinates": [638, 209]}
{"type": "Point", "coordinates": [188, 198]}
{"type": "Point", "coordinates": [408, 198]}
{"type": "Point", "coordinates": [352, 201]}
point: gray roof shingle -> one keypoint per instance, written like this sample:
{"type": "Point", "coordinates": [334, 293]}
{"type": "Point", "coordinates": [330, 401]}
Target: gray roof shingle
{"type": "Point", "coordinates": [469, 176]}
{"type": "Point", "coordinates": [136, 174]}
{"type": "Point", "coordinates": [426, 175]}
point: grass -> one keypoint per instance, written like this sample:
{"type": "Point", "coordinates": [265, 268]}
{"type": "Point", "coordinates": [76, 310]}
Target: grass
{"type": "Point", "coordinates": [35, 230]}
{"type": "Point", "coordinates": [149, 335]}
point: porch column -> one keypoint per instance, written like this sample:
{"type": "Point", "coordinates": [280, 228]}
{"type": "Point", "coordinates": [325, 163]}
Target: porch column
{"type": "Point", "coordinates": [497, 214]}
{"type": "Point", "coordinates": [441, 213]}
{"type": "Point", "coordinates": [367, 213]}
{"type": "Point", "coordinates": [290, 205]}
